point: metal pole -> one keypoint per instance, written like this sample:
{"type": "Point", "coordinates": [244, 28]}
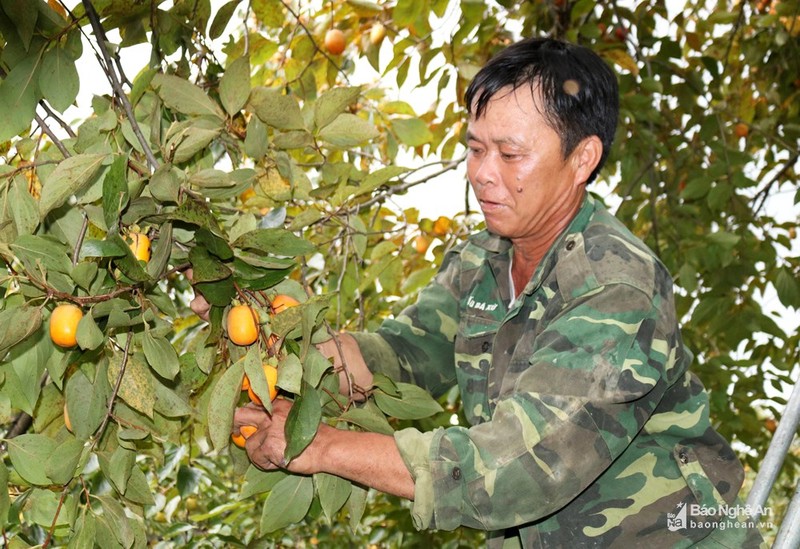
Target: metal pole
{"type": "Point", "coordinates": [771, 465]}
{"type": "Point", "coordinates": [789, 533]}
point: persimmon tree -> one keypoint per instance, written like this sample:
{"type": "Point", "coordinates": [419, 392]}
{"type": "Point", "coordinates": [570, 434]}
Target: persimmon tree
{"type": "Point", "coordinates": [249, 159]}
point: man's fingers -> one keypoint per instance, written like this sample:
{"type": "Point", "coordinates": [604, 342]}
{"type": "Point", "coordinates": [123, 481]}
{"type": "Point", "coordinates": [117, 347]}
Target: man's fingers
{"type": "Point", "coordinates": [200, 306]}
{"type": "Point", "coordinates": [250, 416]}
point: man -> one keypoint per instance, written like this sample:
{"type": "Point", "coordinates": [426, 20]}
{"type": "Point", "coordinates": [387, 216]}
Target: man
{"type": "Point", "coordinates": [558, 326]}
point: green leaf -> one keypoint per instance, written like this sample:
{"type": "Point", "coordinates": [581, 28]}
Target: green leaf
{"type": "Point", "coordinates": [225, 394]}
{"type": "Point", "coordinates": [348, 130]}
{"type": "Point", "coordinates": [213, 244]}
{"type": "Point", "coordinates": [287, 503]}
{"type": "Point", "coordinates": [117, 520]}
{"type": "Point", "coordinates": [128, 264]}
{"type": "Point", "coordinates": [85, 532]}
{"type": "Point", "coordinates": [413, 403]}
{"type": "Point", "coordinates": [196, 213]}
{"type": "Point", "coordinates": [19, 323]}
{"type": "Point", "coordinates": [189, 137]}
{"type": "Point", "coordinates": [412, 131]}
{"type": "Point", "coordinates": [102, 248]}
{"type": "Point", "coordinates": [356, 504]}
{"type": "Point", "coordinates": [207, 268]}
{"type": "Point", "coordinates": [302, 422]}
{"type": "Point", "coordinates": [406, 12]}
{"type": "Point", "coordinates": [257, 482]}
{"type": "Point", "coordinates": [333, 492]}
{"type": "Point", "coordinates": [18, 97]}
{"type": "Point", "coordinates": [46, 250]}
{"type": "Point", "coordinates": [115, 191]}
{"type": "Point", "coordinates": [138, 489]}
{"type": "Point", "coordinates": [724, 239]}
{"type": "Point", "coordinates": [29, 454]}
{"type": "Point", "coordinates": [170, 404]}
{"type": "Point", "coordinates": [165, 183]}
{"type": "Point", "coordinates": [254, 370]}
{"type": "Point", "coordinates": [368, 418]}
{"type": "Point", "coordinates": [234, 87]}
{"type": "Point", "coordinates": [314, 366]}
{"type": "Point", "coordinates": [788, 288]}
{"type": "Point", "coordinates": [373, 181]}
{"type": "Point", "coordinates": [275, 241]}
{"type": "Point", "coordinates": [219, 293]}
{"type": "Point", "coordinates": [221, 19]}
{"type": "Point", "coordinates": [332, 103]}
{"type": "Point", "coordinates": [137, 387]}
{"type": "Point", "coordinates": [70, 176]}
{"type": "Point", "coordinates": [87, 402]}
{"type": "Point", "coordinates": [290, 374]}
{"type": "Point", "coordinates": [89, 335]}
{"type": "Point", "coordinates": [161, 253]}
{"type": "Point", "coordinates": [46, 508]}
{"type": "Point", "coordinates": [184, 97]}
{"type": "Point", "coordinates": [58, 79]}
{"type": "Point", "coordinates": [62, 466]}
{"type": "Point", "coordinates": [256, 142]}
{"type": "Point", "coordinates": [24, 19]}
{"type": "Point", "coordinates": [276, 109]}
{"type": "Point", "coordinates": [161, 355]}
{"type": "Point", "coordinates": [5, 500]}
{"type": "Point", "coordinates": [25, 211]}
{"type": "Point", "coordinates": [119, 468]}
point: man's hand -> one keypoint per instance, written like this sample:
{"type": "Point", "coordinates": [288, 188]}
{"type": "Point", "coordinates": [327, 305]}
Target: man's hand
{"type": "Point", "coordinates": [267, 446]}
{"type": "Point", "coordinates": [199, 305]}
{"type": "Point", "coordinates": [348, 361]}
{"type": "Point", "coordinates": [370, 459]}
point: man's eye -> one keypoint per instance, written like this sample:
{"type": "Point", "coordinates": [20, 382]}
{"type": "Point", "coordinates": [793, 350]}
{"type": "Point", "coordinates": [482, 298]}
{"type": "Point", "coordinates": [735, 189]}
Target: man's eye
{"type": "Point", "coordinates": [509, 156]}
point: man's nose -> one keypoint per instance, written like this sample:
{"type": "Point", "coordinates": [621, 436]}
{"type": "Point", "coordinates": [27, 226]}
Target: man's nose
{"type": "Point", "coordinates": [486, 172]}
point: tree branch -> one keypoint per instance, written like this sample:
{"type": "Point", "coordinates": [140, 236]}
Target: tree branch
{"type": "Point", "coordinates": [764, 193]}
{"type": "Point", "coordinates": [115, 82]}
{"type": "Point", "coordinates": [402, 187]}
{"type": "Point", "coordinates": [117, 385]}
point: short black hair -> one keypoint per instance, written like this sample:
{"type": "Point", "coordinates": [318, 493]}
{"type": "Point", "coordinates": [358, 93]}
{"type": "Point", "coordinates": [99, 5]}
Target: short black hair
{"type": "Point", "coordinates": [579, 90]}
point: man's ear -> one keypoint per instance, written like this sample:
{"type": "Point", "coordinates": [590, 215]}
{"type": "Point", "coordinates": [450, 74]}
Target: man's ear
{"type": "Point", "coordinates": [586, 157]}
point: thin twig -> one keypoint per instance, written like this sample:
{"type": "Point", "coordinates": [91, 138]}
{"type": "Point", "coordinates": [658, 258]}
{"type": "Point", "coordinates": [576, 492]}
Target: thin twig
{"type": "Point", "coordinates": [115, 83]}
{"type": "Point", "coordinates": [52, 530]}
{"type": "Point", "coordinates": [117, 385]}
{"type": "Point", "coordinates": [56, 141]}
{"type": "Point", "coordinates": [397, 189]}
{"type": "Point", "coordinates": [76, 253]}
{"type": "Point", "coordinates": [246, 31]}
{"type": "Point", "coordinates": [52, 114]}
{"type": "Point", "coordinates": [764, 193]}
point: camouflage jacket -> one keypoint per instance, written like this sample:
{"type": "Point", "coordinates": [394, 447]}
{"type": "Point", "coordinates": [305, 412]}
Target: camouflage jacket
{"type": "Point", "coordinates": [587, 430]}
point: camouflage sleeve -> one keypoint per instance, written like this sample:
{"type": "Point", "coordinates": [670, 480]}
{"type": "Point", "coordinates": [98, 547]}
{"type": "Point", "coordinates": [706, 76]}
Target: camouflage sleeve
{"type": "Point", "coordinates": [418, 346]}
{"type": "Point", "coordinates": [594, 376]}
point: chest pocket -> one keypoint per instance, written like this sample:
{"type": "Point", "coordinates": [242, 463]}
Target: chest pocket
{"type": "Point", "coordinates": [473, 348]}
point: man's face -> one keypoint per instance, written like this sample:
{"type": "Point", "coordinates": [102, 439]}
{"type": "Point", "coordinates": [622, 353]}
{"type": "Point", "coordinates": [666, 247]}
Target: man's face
{"type": "Point", "coordinates": [516, 168]}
